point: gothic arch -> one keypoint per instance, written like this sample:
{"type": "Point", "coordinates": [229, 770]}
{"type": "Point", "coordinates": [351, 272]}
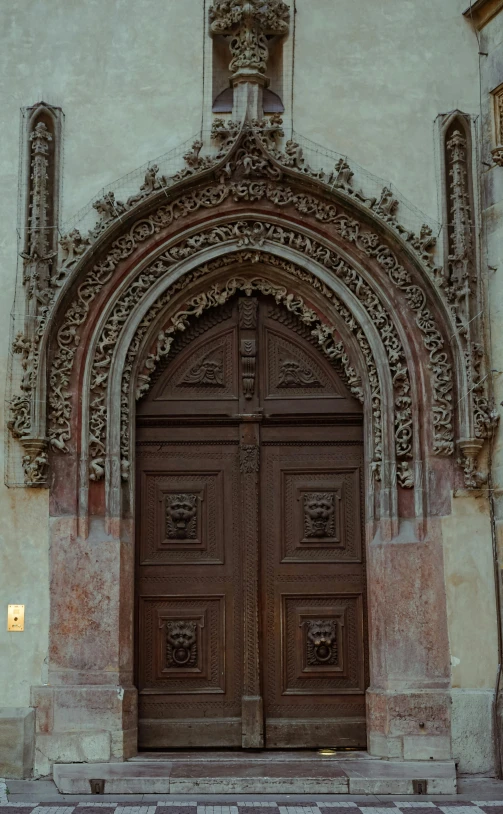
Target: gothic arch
{"type": "Point", "coordinates": [250, 217]}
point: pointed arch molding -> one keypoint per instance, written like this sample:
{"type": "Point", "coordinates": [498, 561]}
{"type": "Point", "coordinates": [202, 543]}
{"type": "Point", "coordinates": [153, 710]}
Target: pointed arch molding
{"type": "Point", "coordinates": [342, 262]}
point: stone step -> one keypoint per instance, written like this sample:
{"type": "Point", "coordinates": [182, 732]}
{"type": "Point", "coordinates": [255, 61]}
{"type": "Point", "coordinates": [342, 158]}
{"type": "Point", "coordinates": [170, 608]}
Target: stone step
{"type": "Point", "coordinates": [258, 776]}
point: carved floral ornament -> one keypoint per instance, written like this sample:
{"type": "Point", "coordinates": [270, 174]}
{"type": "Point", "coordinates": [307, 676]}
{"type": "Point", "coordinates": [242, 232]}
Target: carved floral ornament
{"type": "Point", "coordinates": [250, 167]}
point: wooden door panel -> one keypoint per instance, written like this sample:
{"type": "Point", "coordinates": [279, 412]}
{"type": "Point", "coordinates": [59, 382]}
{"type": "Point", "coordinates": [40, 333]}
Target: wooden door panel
{"type": "Point", "coordinates": [251, 605]}
{"type": "Point", "coordinates": [189, 634]}
{"type": "Point", "coordinates": [314, 659]}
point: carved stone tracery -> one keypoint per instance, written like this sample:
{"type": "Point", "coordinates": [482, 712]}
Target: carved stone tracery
{"type": "Point", "coordinates": [252, 170]}
{"type": "Point", "coordinates": [322, 334]}
{"type": "Point", "coordinates": [246, 233]}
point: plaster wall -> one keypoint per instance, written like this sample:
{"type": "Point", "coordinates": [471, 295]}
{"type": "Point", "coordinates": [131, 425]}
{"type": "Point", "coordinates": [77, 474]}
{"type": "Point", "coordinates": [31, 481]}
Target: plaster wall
{"type": "Point", "coordinates": [491, 75]}
{"type": "Point", "coordinates": [130, 78]}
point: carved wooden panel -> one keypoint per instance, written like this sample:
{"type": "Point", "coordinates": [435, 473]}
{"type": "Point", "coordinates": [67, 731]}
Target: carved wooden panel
{"type": "Point", "coordinates": [189, 587]}
{"type": "Point", "coordinates": [251, 582]}
{"type": "Point", "coordinates": [183, 521]}
{"type": "Point", "coordinates": [204, 371]}
{"type": "Point", "coordinates": [313, 606]}
{"type": "Point", "coordinates": [293, 371]}
{"type": "Point", "coordinates": [320, 513]}
{"type": "Point", "coordinates": [182, 641]}
{"type": "Point", "coordinates": [321, 644]}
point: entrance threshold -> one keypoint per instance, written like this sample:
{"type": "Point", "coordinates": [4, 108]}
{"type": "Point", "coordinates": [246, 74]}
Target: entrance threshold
{"type": "Point", "coordinates": [258, 772]}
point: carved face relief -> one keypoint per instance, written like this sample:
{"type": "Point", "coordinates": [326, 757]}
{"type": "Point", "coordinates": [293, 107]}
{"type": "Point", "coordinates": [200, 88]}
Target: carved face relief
{"type": "Point", "coordinates": [294, 374]}
{"type": "Point", "coordinates": [181, 517]}
{"type": "Point", "coordinates": [181, 641]}
{"type": "Point", "coordinates": [208, 371]}
{"type": "Point", "coordinates": [319, 515]}
{"type": "Point", "coordinates": [322, 642]}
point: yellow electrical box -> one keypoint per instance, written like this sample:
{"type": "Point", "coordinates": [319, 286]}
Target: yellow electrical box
{"type": "Point", "coordinates": [15, 617]}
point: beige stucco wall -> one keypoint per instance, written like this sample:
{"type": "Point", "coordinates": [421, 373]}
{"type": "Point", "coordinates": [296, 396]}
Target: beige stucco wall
{"type": "Point", "coordinates": [471, 604]}
{"type": "Point", "coordinates": [129, 76]}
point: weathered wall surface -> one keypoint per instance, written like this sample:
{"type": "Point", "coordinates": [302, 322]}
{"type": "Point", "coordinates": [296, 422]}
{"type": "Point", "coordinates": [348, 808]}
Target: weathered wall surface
{"type": "Point", "coordinates": [491, 73]}
{"type": "Point", "coordinates": [129, 77]}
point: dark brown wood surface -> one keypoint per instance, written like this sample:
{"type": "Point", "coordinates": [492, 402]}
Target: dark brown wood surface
{"type": "Point", "coordinates": [250, 565]}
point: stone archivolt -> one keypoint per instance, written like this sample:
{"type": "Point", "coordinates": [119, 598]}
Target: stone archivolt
{"type": "Point", "coordinates": [217, 295]}
{"type": "Point", "coordinates": [247, 234]}
{"type": "Point", "coordinates": [250, 168]}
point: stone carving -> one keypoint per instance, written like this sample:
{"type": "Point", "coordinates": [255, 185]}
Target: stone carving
{"type": "Point", "coordinates": [108, 210]}
{"type": "Point", "coordinates": [322, 334]}
{"type": "Point", "coordinates": [277, 194]}
{"type": "Point", "coordinates": [249, 459]}
{"type": "Point", "coordinates": [387, 206]}
{"type": "Point", "coordinates": [469, 451]}
{"type": "Point", "coordinates": [405, 476]}
{"type": "Point", "coordinates": [73, 246]}
{"type": "Point", "coordinates": [39, 238]}
{"type": "Point", "coordinates": [35, 462]}
{"type": "Point", "coordinates": [461, 244]}
{"type": "Point", "coordinates": [341, 179]}
{"type": "Point", "coordinates": [181, 644]}
{"type": "Point", "coordinates": [20, 406]}
{"type": "Point", "coordinates": [322, 647]}
{"type": "Point", "coordinates": [497, 153]}
{"type": "Point", "coordinates": [39, 281]}
{"type": "Point", "coordinates": [248, 308]}
{"type": "Point", "coordinates": [208, 371]}
{"type": "Point", "coordinates": [293, 374]}
{"type": "Point", "coordinates": [309, 206]}
{"type": "Point", "coordinates": [150, 185]}
{"type": "Point", "coordinates": [248, 366]}
{"type": "Point", "coordinates": [181, 516]}
{"type": "Point", "coordinates": [248, 23]}
{"type": "Point", "coordinates": [319, 520]}
{"type": "Point", "coordinates": [248, 161]}
{"type": "Point", "coordinates": [377, 313]}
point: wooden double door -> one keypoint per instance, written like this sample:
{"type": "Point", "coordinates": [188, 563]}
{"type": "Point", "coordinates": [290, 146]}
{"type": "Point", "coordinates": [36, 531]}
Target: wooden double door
{"type": "Point", "coordinates": [251, 607]}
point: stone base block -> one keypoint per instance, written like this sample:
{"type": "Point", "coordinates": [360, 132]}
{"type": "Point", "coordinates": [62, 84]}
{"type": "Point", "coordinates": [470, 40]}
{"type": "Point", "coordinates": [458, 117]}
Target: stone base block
{"type": "Point", "coordinates": [17, 737]}
{"type": "Point", "coordinates": [70, 747]}
{"type": "Point", "coordinates": [92, 723]}
{"type": "Point", "coordinates": [258, 773]}
{"type": "Point", "coordinates": [409, 725]}
{"type": "Point", "coordinates": [473, 746]}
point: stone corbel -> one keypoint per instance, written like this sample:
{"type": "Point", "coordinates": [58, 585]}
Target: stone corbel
{"type": "Point", "coordinates": [469, 452]}
{"type": "Point", "coordinates": [35, 461]}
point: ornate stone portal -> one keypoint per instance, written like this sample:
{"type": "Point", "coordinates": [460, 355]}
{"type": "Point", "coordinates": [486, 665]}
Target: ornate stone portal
{"type": "Point", "coordinates": [251, 216]}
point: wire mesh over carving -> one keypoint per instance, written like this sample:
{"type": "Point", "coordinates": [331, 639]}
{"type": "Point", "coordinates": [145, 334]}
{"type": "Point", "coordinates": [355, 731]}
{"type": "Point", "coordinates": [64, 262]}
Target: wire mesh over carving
{"type": "Point", "coordinates": [181, 644]}
{"type": "Point", "coordinates": [181, 516]}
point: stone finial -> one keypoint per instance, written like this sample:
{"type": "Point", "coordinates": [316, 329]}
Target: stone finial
{"type": "Point", "coordinates": [248, 22]}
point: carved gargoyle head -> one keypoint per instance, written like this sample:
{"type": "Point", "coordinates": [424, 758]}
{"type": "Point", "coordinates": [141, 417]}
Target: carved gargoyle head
{"type": "Point", "coordinates": [181, 512]}
{"type": "Point", "coordinates": [322, 638]}
{"type": "Point", "coordinates": [318, 511]}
